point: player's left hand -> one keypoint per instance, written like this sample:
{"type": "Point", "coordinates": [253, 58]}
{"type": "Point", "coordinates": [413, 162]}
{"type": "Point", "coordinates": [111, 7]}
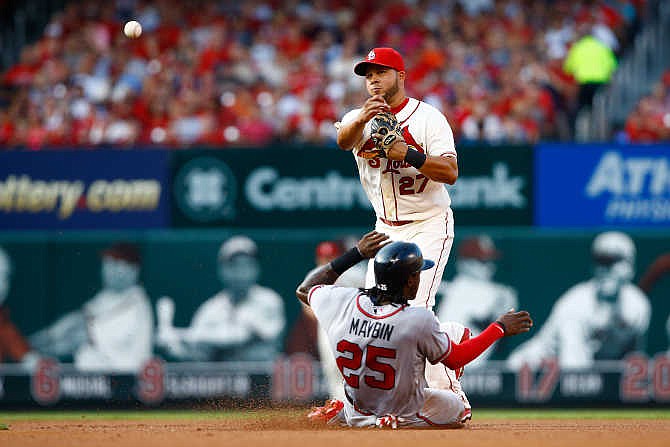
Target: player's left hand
{"type": "Point", "coordinates": [388, 421]}
{"type": "Point", "coordinates": [371, 243]}
{"type": "Point", "coordinates": [515, 322]}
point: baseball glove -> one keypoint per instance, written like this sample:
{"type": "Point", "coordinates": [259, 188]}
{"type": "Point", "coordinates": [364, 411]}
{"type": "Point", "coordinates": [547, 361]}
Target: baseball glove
{"type": "Point", "coordinates": [385, 131]}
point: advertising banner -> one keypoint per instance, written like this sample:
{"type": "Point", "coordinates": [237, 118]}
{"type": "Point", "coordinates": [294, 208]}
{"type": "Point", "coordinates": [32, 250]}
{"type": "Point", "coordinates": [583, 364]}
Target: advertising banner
{"type": "Point", "coordinates": [320, 187]}
{"type": "Point", "coordinates": [637, 380]}
{"type": "Point", "coordinates": [101, 189]}
{"type": "Point", "coordinates": [494, 186]}
{"type": "Point", "coordinates": [50, 383]}
{"type": "Point", "coordinates": [602, 185]}
{"type": "Point", "coordinates": [268, 188]}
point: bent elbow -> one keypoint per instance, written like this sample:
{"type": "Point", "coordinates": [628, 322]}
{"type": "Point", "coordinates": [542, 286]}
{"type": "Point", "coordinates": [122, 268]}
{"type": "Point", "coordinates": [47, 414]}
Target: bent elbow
{"type": "Point", "coordinates": [448, 177]}
{"type": "Point", "coordinates": [452, 364]}
{"type": "Point", "coordinates": [301, 294]}
{"type": "Point", "coordinates": [452, 173]}
{"type": "Point", "coordinates": [342, 144]}
{"type": "Point", "coordinates": [451, 179]}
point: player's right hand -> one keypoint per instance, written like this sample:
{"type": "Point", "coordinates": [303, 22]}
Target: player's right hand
{"type": "Point", "coordinates": [515, 322]}
{"type": "Point", "coordinates": [388, 421]}
{"type": "Point", "coordinates": [371, 243]}
{"type": "Point", "coordinates": [373, 106]}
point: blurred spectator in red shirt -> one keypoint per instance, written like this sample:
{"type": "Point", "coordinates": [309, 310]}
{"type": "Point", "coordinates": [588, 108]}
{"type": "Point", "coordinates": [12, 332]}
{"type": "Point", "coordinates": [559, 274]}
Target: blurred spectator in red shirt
{"type": "Point", "coordinates": [494, 66]}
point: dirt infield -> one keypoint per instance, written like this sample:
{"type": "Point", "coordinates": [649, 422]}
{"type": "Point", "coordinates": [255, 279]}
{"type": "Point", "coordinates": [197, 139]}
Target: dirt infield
{"type": "Point", "coordinates": [291, 431]}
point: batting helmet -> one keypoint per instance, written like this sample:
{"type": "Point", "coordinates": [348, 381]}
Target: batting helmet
{"type": "Point", "coordinates": [394, 264]}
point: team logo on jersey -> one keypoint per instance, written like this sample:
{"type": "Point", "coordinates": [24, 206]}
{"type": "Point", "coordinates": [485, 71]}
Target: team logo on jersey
{"type": "Point", "coordinates": [370, 151]}
{"type": "Point", "coordinates": [409, 139]}
{"type": "Point", "coordinates": [205, 190]}
{"type": "Point", "coordinates": [371, 55]}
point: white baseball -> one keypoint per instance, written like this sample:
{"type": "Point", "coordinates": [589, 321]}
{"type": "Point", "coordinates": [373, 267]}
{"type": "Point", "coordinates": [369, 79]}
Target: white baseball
{"type": "Point", "coordinates": [132, 29]}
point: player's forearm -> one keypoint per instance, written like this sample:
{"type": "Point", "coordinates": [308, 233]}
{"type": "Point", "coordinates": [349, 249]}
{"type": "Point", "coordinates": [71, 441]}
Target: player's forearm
{"type": "Point", "coordinates": [440, 169]}
{"type": "Point", "coordinates": [463, 353]}
{"type": "Point", "coordinates": [328, 274]}
{"type": "Point", "coordinates": [323, 275]}
{"type": "Point", "coordinates": [349, 134]}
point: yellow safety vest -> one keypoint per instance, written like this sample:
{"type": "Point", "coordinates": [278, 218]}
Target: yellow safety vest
{"type": "Point", "coordinates": [589, 60]}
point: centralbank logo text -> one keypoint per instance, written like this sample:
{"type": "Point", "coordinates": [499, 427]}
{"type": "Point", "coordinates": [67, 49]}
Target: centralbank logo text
{"type": "Point", "coordinates": [497, 190]}
{"type": "Point", "coordinates": [266, 190]}
{"type": "Point", "coordinates": [24, 194]}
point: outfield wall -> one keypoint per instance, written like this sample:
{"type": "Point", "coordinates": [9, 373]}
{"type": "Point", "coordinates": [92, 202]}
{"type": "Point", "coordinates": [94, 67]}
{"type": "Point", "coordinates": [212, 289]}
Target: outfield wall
{"type": "Point", "coordinates": [54, 275]}
{"type": "Point", "coordinates": [60, 210]}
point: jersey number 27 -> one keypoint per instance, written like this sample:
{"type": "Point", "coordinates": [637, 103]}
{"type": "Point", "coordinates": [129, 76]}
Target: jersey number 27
{"type": "Point", "coordinates": [372, 354]}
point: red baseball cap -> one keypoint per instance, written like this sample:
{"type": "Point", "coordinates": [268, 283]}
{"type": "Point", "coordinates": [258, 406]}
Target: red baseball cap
{"type": "Point", "coordinates": [123, 251]}
{"type": "Point", "coordinates": [386, 57]}
{"type": "Point", "coordinates": [480, 248]}
{"type": "Point", "coordinates": [329, 249]}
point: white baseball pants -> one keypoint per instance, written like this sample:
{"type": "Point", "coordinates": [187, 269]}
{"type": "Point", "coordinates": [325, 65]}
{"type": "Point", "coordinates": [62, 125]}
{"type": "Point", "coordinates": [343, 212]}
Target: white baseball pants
{"type": "Point", "coordinates": [434, 237]}
{"type": "Point", "coordinates": [442, 409]}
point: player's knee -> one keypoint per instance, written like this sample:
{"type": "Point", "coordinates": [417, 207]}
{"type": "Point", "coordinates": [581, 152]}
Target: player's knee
{"type": "Point", "coordinates": [453, 329]}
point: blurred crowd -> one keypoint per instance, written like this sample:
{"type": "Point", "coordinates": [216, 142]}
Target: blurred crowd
{"type": "Point", "coordinates": [248, 73]}
{"type": "Point", "coordinates": [650, 120]}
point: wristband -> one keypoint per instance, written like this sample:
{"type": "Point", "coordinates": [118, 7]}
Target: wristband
{"type": "Point", "coordinates": [502, 326]}
{"type": "Point", "coordinates": [415, 158]}
{"type": "Point", "coordinates": [349, 259]}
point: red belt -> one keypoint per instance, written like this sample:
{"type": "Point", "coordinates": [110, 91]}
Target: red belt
{"type": "Point", "coordinates": [395, 223]}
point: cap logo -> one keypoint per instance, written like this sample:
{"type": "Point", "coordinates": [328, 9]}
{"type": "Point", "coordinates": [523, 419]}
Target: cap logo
{"type": "Point", "coordinates": [371, 55]}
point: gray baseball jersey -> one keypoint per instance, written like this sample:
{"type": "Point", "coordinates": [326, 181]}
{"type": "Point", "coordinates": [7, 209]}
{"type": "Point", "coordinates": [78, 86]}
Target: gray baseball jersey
{"type": "Point", "coordinates": [381, 351]}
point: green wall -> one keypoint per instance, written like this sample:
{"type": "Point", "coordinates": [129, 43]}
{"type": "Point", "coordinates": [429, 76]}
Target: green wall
{"type": "Point", "coordinates": [55, 273]}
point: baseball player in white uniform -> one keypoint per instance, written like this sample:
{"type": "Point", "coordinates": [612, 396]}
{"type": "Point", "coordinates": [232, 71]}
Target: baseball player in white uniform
{"type": "Point", "coordinates": [472, 297]}
{"type": "Point", "coordinates": [242, 322]}
{"type": "Point", "coordinates": [381, 344]}
{"type": "Point", "coordinates": [406, 186]}
{"type": "Point", "coordinates": [603, 318]}
{"type": "Point", "coordinates": [114, 330]}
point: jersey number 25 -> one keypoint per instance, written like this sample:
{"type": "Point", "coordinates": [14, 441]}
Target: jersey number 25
{"type": "Point", "coordinates": [353, 363]}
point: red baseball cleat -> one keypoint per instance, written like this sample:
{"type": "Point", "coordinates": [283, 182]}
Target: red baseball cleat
{"type": "Point", "coordinates": [465, 416]}
{"type": "Point", "coordinates": [327, 412]}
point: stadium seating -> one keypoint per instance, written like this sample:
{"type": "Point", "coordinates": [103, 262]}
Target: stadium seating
{"type": "Point", "coordinates": [252, 73]}
{"type": "Point", "coordinates": [649, 122]}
